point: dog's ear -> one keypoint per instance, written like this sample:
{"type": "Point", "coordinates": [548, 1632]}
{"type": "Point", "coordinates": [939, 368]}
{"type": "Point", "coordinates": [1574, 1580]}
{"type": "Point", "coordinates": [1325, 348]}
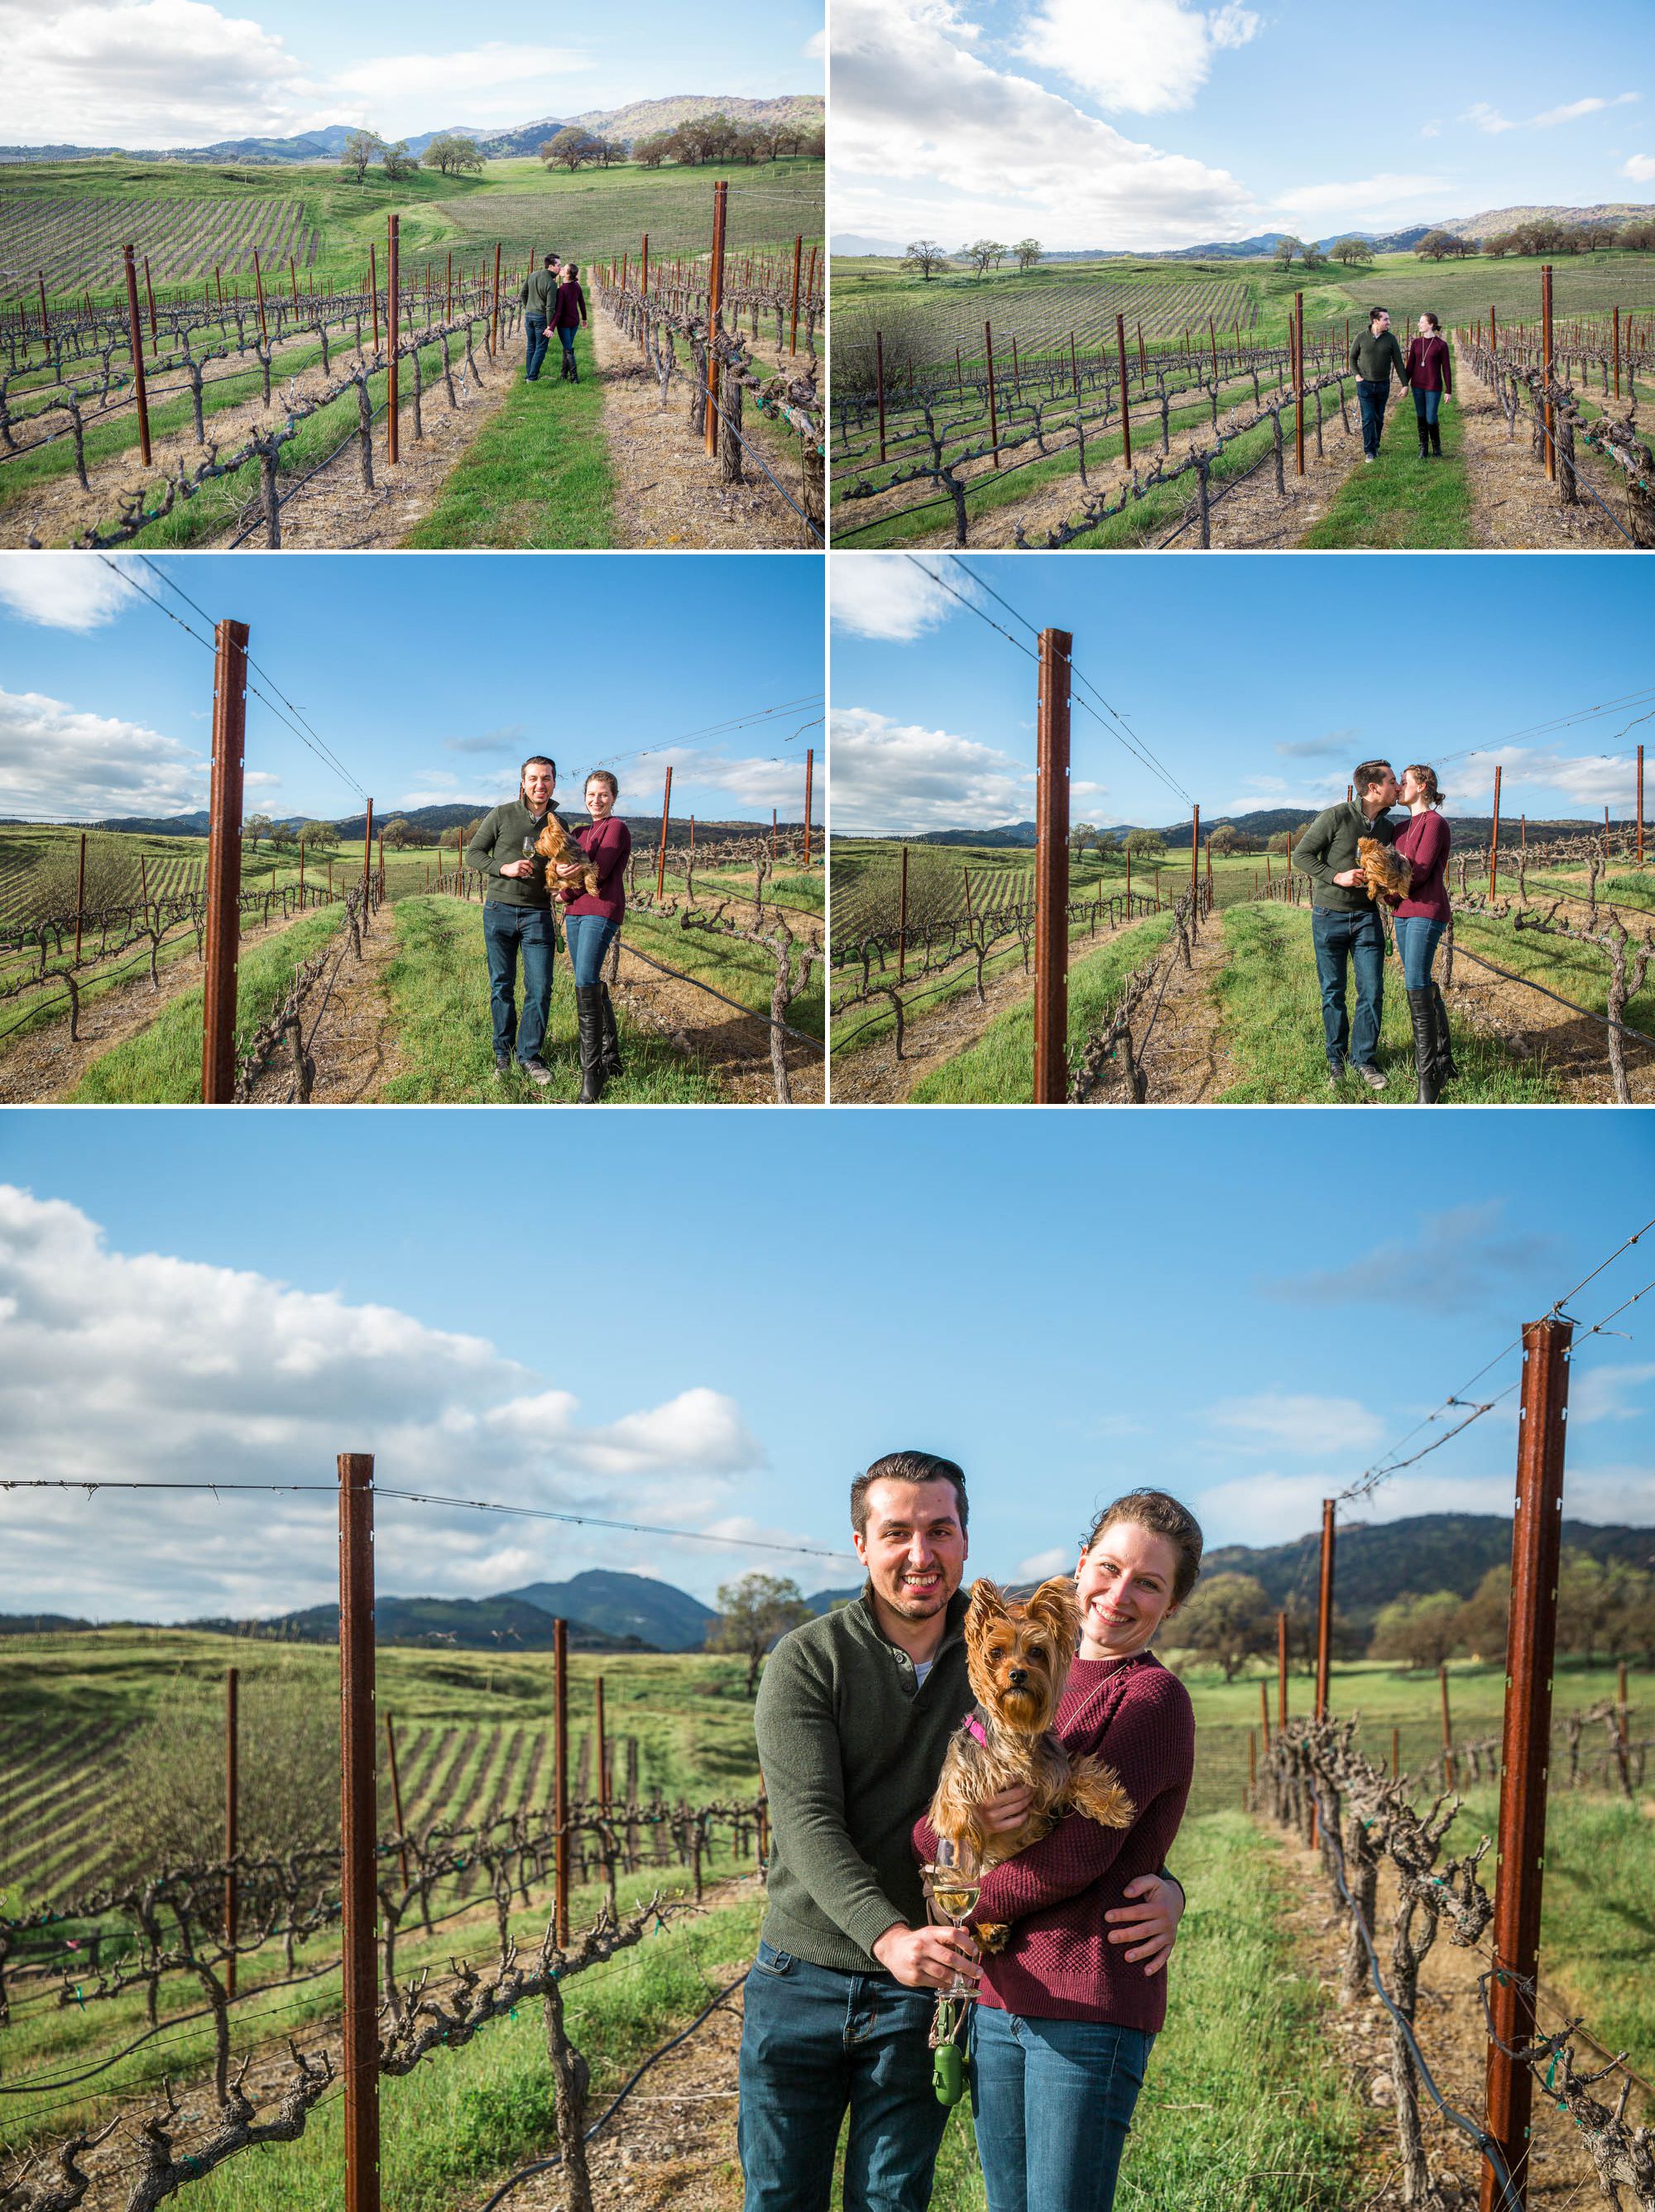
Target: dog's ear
{"type": "Point", "coordinates": [987, 1603]}
{"type": "Point", "coordinates": [1056, 1608]}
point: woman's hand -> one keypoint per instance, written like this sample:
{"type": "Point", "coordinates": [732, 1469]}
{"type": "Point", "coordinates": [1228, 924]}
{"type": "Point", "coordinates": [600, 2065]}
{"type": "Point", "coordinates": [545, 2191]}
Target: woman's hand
{"type": "Point", "coordinates": [1150, 1923]}
{"type": "Point", "coordinates": [570, 870]}
{"type": "Point", "coordinates": [1002, 1815]}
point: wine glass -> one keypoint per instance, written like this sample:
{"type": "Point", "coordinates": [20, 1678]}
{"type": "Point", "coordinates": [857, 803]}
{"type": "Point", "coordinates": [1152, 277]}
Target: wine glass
{"type": "Point", "coordinates": [954, 1879]}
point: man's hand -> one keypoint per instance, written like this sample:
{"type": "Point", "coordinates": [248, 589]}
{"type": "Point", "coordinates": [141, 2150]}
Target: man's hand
{"type": "Point", "coordinates": [1002, 1815]}
{"type": "Point", "coordinates": [517, 867]}
{"type": "Point", "coordinates": [928, 1958]}
{"type": "Point", "coordinates": [1150, 1923]}
{"type": "Point", "coordinates": [1351, 878]}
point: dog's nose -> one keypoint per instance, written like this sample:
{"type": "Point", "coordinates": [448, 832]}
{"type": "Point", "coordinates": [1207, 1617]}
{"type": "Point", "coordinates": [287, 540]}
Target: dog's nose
{"type": "Point", "coordinates": [1018, 1677]}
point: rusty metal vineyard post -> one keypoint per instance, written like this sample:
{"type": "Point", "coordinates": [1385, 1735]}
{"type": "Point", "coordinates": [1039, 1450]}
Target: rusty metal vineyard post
{"type": "Point", "coordinates": [80, 897]}
{"type": "Point", "coordinates": [1126, 412]}
{"type": "Point", "coordinates": [392, 320]}
{"type": "Point", "coordinates": [560, 1774]}
{"type": "Point", "coordinates": [1325, 1614]}
{"type": "Point", "coordinates": [810, 778]}
{"type": "Point", "coordinates": [1281, 1670]}
{"type": "Point", "coordinates": [396, 1796]}
{"type": "Point", "coordinates": [232, 1816]}
{"type": "Point", "coordinates": [715, 304]}
{"type": "Point", "coordinates": [601, 1750]}
{"type": "Point", "coordinates": [1640, 806]}
{"type": "Point", "coordinates": [358, 1825]}
{"type": "Point", "coordinates": [1447, 1727]}
{"type": "Point", "coordinates": [666, 810]}
{"type": "Point", "coordinates": [1494, 842]}
{"type": "Point", "coordinates": [222, 943]}
{"type": "Point", "coordinates": [1546, 370]}
{"type": "Point", "coordinates": [1052, 870]}
{"type": "Point", "coordinates": [1530, 1648]}
{"type": "Point", "coordinates": [140, 390]}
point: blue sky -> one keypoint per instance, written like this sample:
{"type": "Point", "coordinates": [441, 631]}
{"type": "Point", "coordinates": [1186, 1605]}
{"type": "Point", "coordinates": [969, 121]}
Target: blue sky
{"type": "Point", "coordinates": [429, 677]}
{"type": "Point", "coordinates": [1168, 123]}
{"type": "Point", "coordinates": [1233, 1306]}
{"type": "Point", "coordinates": [1257, 680]}
{"type": "Point", "coordinates": [159, 73]}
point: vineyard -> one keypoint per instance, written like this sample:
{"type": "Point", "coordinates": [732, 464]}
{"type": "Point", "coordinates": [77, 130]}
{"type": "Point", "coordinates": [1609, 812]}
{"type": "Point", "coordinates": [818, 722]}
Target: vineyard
{"type": "Point", "coordinates": [71, 248]}
{"type": "Point", "coordinates": [1048, 410]}
{"type": "Point", "coordinates": [224, 411]}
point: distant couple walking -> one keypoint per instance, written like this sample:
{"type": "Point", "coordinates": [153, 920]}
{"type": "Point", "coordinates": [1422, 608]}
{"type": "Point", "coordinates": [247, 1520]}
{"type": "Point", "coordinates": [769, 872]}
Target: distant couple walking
{"type": "Point", "coordinates": [528, 857]}
{"type": "Point", "coordinates": [1426, 371]}
{"type": "Point", "coordinates": [1346, 931]}
{"type": "Point", "coordinates": [552, 300]}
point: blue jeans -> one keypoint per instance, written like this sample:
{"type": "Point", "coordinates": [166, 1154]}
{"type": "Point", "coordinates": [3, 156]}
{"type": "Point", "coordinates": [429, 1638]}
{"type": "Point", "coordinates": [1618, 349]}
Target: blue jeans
{"type": "Point", "coordinates": [1372, 396]}
{"type": "Point", "coordinates": [1053, 2100]}
{"type": "Point", "coordinates": [506, 931]}
{"type": "Point", "coordinates": [1417, 938]}
{"type": "Point", "coordinates": [1426, 404]}
{"type": "Point", "coordinates": [813, 2041]}
{"type": "Point", "coordinates": [566, 339]}
{"type": "Point", "coordinates": [587, 937]}
{"type": "Point", "coordinates": [534, 329]}
{"type": "Point", "coordinates": [1342, 941]}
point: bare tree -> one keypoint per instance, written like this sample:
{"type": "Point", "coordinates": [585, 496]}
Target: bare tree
{"type": "Point", "coordinates": [926, 256]}
{"type": "Point", "coordinates": [752, 1613]}
{"type": "Point", "coordinates": [361, 148]}
{"type": "Point", "coordinates": [1028, 251]}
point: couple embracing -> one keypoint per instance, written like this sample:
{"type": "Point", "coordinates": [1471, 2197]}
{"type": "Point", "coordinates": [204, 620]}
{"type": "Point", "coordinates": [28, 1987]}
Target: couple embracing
{"type": "Point", "coordinates": [532, 865]}
{"type": "Point", "coordinates": [857, 1713]}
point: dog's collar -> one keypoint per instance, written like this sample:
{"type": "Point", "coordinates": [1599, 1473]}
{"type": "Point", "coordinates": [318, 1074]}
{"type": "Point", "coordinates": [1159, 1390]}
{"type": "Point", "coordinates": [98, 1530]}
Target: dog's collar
{"type": "Point", "coordinates": [972, 1726]}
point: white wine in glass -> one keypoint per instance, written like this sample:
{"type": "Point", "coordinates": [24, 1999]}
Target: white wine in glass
{"type": "Point", "coordinates": [956, 1884]}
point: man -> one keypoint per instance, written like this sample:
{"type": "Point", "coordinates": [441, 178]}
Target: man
{"type": "Point", "coordinates": [1374, 356]}
{"type": "Point", "coordinates": [539, 297]}
{"type": "Point", "coordinates": [517, 917]}
{"type": "Point", "coordinates": [854, 1717]}
{"type": "Point", "coordinates": [1345, 926]}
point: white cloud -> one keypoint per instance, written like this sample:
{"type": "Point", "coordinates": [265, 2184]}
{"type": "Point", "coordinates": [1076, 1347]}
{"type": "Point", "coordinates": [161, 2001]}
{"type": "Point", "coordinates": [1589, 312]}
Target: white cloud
{"type": "Point", "coordinates": [1361, 199]}
{"type": "Point", "coordinates": [497, 82]}
{"type": "Point", "coordinates": [1608, 1393]}
{"type": "Point", "coordinates": [1146, 55]}
{"type": "Point", "coordinates": [1272, 1508]}
{"type": "Point", "coordinates": [1305, 1426]}
{"type": "Point", "coordinates": [1451, 1261]}
{"type": "Point", "coordinates": [1433, 129]}
{"type": "Point", "coordinates": [891, 777]}
{"type": "Point", "coordinates": [1640, 168]}
{"type": "Point", "coordinates": [930, 140]}
{"type": "Point", "coordinates": [56, 760]}
{"type": "Point", "coordinates": [1058, 1560]}
{"type": "Point", "coordinates": [755, 783]}
{"type": "Point", "coordinates": [1576, 108]}
{"type": "Point", "coordinates": [885, 595]}
{"type": "Point", "coordinates": [1589, 780]}
{"type": "Point", "coordinates": [1487, 119]}
{"type": "Point", "coordinates": [180, 1370]}
{"type": "Point", "coordinates": [62, 591]}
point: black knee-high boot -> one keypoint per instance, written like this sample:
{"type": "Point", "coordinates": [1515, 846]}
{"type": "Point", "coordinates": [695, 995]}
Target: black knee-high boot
{"type": "Point", "coordinates": [611, 1054]}
{"type": "Point", "coordinates": [1425, 439]}
{"type": "Point", "coordinates": [1423, 1016]}
{"type": "Point", "coordinates": [1446, 1070]}
{"type": "Point", "coordinates": [1436, 438]}
{"type": "Point", "coordinates": [589, 1015]}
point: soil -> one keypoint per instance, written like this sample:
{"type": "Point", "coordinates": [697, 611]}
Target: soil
{"type": "Point", "coordinates": [1189, 1061]}
{"type": "Point", "coordinates": [1512, 504]}
{"type": "Point", "coordinates": [733, 1047]}
{"type": "Point", "coordinates": [666, 490]}
{"type": "Point", "coordinates": [1452, 2031]}
{"type": "Point", "coordinates": [351, 1038]}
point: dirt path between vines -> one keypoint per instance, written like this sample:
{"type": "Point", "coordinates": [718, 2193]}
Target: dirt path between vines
{"type": "Point", "coordinates": [666, 490]}
{"type": "Point", "coordinates": [1189, 1061]}
{"type": "Point", "coordinates": [1512, 505]}
{"type": "Point", "coordinates": [351, 1036]}
{"type": "Point", "coordinates": [1450, 2025]}
{"type": "Point", "coordinates": [734, 1047]}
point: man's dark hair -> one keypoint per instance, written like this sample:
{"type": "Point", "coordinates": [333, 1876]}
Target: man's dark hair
{"type": "Point", "coordinates": [550, 260]}
{"type": "Point", "coordinates": [534, 760]}
{"type": "Point", "coordinates": [1369, 773]}
{"type": "Point", "coordinates": [1374, 313]}
{"type": "Point", "coordinates": [905, 1466]}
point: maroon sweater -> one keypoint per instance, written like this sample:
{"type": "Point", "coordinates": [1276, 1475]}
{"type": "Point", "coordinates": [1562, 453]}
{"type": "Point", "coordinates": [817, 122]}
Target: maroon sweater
{"type": "Point", "coordinates": [1425, 841]}
{"type": "Point", "coordinates": [1428, 368]}
{"type": "Point", "coordinates": [1058, 1963]}
{"type": "Point", "coordinates": [608, 842]}
{"type": "Point", "coordinates": [570, 312]}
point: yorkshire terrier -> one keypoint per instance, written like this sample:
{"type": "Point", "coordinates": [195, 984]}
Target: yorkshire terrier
{"type": "Point", "coordinates": [1390, 875]}
{"type": "Point", "coordinates": [1018, 1659]}
{"type": "Point", "coordinates": [556, 848]}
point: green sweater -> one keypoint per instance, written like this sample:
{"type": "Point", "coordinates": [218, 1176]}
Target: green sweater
{"type": "Point", "coordinates": [497, 839]}
{"type": "Point", "coordinates": [540, 291]}
{"type": "Point", "coordinates": [1328, 848]}
{"type": "Point", "coordinates": [1374, 356]}
{"type": "Point", "coordinates": [851, 1747]}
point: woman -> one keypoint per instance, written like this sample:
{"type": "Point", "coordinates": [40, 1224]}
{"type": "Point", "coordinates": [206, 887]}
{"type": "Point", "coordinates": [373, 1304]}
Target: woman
{"type": "Point", "coordinates": [1430, 378]}
{"type": "Point", "coordinates": [592, 921]}
{"type": "Point", "coordinates": [1063, 2026]}
{"type": "Point", "coordinates": [1420, 920]}
{"type": "Point", "coordinates": [568, 315]}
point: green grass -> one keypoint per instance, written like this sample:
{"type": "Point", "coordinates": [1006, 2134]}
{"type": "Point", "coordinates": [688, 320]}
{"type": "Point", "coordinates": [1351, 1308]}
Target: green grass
{"type": "Point", "coordinates": [999, 1067]}
{"type": "Point", "coordinates": [537, 473]}
{"type": "Point", "coordinates": [1271, 1006]}
{"type": "Point", "coordinates": [438, 985]}
{"type": "Point", "coordinates": [1400, 502]}
{"type": "Point", "coordinates": [161, 1065]}
{"type": "Point", "coordinates": [1243, 2105]}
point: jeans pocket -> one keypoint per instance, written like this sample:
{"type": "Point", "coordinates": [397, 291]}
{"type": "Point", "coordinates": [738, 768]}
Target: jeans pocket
{"type": "Point", "coordinates": [769, 1961]}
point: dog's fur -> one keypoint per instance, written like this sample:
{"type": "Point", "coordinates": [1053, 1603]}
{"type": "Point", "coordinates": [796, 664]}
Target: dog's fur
{"type": "Point", "coordinates": [1390, 875]}
{"type": "Point", "coordinates": [1018, 1657]}
{"type": "Point", "coordinates": [556, 848]}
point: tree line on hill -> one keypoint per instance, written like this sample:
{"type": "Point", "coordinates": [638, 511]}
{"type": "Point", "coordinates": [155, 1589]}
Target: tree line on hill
{"type": "Point", "coordinates": [690, 145]}
{"type": "Point", "coordinates": [1605, 1610]}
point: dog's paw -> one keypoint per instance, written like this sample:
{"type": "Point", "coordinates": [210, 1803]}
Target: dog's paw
{"type": "Point", "coordinates": [991, 1938]}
